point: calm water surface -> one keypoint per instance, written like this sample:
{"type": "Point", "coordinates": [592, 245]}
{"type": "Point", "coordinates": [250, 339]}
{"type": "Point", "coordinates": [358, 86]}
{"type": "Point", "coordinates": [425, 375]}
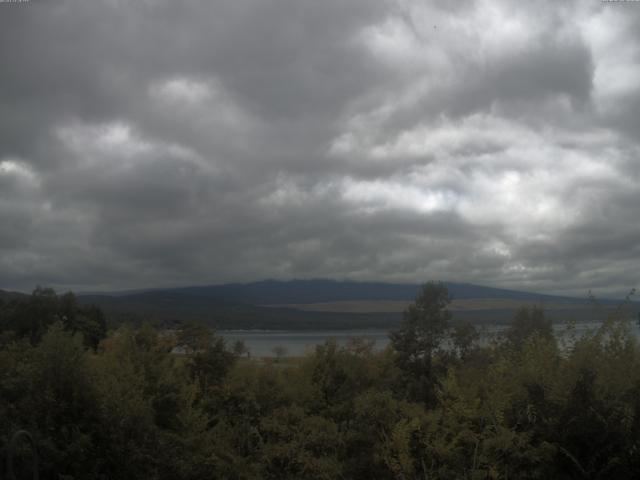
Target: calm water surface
{"type": "Point", "coordinates": [261, 343]}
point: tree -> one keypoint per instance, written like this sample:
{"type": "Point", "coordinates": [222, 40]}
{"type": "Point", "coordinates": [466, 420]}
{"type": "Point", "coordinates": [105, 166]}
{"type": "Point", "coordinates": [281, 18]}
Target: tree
{"type": "Point", "coordinates": [529, 321]}
{"type": "Point", "coordinates": [195, 337]}
{"type": "Point", "coordinates": [298, 445]}
{"type": "Point", "coordinates": [240, 348]}
{"type": "Point", "coordinates": [279, 351]}
{"type": "Point", "coordinates": [421, 332]}
{"type": "Point", "coordinates": [31, 316]}
{"type": "Point", "coordinates": [209, 359]}
{"type": "Point", "coordinates": [66, 403]}
{"type": "Point", "coordinates": [464, 336]}
{"type": "Point", "coordinates": [88, 320]}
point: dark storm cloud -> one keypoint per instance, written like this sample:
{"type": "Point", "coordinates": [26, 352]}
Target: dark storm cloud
{"type": "Point", "coordinates": [161, 143]}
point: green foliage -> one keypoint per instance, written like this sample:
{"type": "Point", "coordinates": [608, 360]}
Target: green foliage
{"type": "Point", "coordinates": [298, 445]}
{"type": "Point", "coordinates": [31, 317]}
{"type": "Point", "coordinates": [464, 337]}
{"type": "Point", "coordinates": [48, 390]}
{"type": "Point", "coordinates": [529, 321]}
{"type": "Point", "coordinates": [423, 328]}
{"type": "Point", "coordinates": [144, 403]}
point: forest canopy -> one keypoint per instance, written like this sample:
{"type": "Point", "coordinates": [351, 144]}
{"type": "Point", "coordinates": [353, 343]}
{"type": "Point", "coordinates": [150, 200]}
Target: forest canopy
{"type": "Point", "coordinates": [436, 403]}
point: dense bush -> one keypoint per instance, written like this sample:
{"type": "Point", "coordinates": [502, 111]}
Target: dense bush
{"type": "Point", "coordinates": [130, 407]}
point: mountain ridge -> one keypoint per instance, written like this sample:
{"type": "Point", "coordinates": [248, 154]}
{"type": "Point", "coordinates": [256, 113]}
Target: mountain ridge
{"type": "Point", "coordinates": [272, 291]}
{"type": "Point", "coordinates": [302, 304]}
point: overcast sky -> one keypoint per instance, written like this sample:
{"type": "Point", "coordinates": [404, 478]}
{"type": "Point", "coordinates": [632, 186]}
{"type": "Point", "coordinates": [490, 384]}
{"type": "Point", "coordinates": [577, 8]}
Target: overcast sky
{"type": "Point", "coordinates": [160, 143]}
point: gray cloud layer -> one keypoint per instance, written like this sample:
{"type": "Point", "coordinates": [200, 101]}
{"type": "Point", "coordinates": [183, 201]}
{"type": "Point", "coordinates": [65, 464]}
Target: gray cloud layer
{"type": "Point", "coordinates": [155, 143]}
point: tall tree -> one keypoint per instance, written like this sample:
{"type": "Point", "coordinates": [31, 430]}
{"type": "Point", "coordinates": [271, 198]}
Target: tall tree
{"type": "Point", "coordinates": [529, 321]}
{"type": "Point", "coordinates": [419, 337]}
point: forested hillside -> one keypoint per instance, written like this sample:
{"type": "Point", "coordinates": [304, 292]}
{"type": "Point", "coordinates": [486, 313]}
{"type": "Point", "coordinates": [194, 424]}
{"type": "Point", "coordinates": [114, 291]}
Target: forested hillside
{"type": "Point", "coordinates": [121, 405]}
{"type": "Point", "coordinates": [320, 304]}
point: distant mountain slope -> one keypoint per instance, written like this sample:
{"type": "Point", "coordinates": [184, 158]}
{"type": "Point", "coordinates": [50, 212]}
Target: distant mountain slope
{"type": "Point", "coordinates": [6, 295]}
{"type": "Point", "coordinates": [308, 304]}
{"type": "Point", "coordinates": [316, 291]}
{"type": "Point", "coordinates": [177, 308]}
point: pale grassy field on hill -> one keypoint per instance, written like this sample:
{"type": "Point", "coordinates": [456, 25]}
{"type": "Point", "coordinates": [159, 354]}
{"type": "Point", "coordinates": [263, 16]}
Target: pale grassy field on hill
{"type": "Point", "coordinates": [395, 306]}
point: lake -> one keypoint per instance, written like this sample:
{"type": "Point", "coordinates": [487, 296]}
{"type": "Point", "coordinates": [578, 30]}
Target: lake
{"type": "Point", "coordinates": [261, 343]}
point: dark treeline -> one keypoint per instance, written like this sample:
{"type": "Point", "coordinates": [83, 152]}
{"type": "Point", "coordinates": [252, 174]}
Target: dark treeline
{"type": "Point", "coordinates": [124, 405]}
